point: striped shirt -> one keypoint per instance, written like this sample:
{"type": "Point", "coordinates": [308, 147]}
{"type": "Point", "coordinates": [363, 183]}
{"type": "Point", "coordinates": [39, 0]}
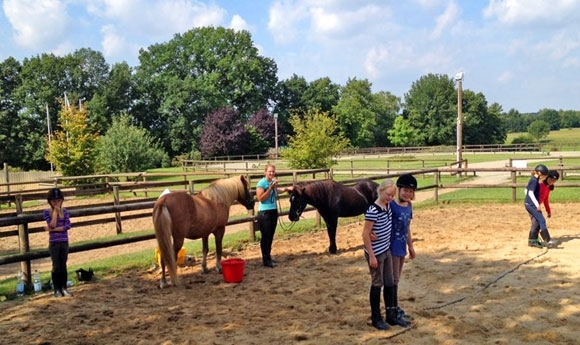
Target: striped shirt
{"type": "Point", "coordinates": [382, 227]}
{"type": "Point", "coordinates": [58, 236]}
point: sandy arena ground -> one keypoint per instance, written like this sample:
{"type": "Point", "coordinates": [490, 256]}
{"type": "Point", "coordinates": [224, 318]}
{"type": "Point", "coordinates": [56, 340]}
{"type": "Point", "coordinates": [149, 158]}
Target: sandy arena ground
{"type": "Point", "coordinates": [474, 281]}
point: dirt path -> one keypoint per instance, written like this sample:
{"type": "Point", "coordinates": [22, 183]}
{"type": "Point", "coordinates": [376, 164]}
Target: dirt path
{"type": "Point", "coordinates": [474, 281]}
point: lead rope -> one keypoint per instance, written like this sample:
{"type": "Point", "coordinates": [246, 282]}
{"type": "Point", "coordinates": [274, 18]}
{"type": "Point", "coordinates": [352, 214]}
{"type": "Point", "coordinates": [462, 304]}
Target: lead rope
{"type": "Point", "coordinates": [282, 225]}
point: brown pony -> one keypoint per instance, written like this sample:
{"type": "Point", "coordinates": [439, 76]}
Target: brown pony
{"type": "Point", "coordinates": [179, 215]}
{"type": "Point", "coordinates": [332, 200]}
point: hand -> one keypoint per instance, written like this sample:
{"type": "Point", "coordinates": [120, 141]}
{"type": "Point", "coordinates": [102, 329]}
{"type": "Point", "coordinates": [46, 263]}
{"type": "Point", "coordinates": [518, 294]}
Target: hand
{"type": "Point", "coordinates": [374, 236]}
{"type": "Point", "coordinates": [549, 215]}
{"type": "Point", "coordinates": [373, 261]}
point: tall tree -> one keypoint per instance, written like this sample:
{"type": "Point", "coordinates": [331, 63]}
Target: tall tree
{"type": "Point", "coordinates": [13, 130]}
{"type": "Point", "coordinates": [431, 108]}
{"type": "Point", "coordinates": [355, 113]}
{"type": "Point", "coordinates": [552, 117]}
{"type": "Point", "coordinates": [115, 96]}
{"type": "Point", "coordinates": [72, 147]}
{"type": "Point", "coordinates": [193, 75]}
{"type": "Point", "coordinates": [386, 107]}
{"type": "Point", "coordinates": [480, 126]}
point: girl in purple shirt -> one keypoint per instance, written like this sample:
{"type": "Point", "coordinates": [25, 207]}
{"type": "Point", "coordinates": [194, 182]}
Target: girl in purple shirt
{"type": "Point", "coordinates": [57, 224]}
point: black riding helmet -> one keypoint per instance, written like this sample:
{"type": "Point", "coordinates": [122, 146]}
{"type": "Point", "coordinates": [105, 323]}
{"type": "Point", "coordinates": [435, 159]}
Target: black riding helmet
{"type": "Point", "coordinates": [408, 181]}
{"type": "Point", "coordinates": [54, 194]}
{"type": "Point", "coordinates": [554, 174]}
{"type": "Point", "coordinates": [541, 168]}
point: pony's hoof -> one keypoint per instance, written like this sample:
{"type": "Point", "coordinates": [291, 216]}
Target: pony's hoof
{"type": "Point", "coordinates": [332, 250]}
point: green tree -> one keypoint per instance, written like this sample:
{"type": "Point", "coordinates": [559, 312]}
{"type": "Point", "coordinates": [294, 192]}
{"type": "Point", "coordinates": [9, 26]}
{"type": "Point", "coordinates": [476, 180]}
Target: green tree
{"type": "Point", "coordinates": [355, 113]}
{"type": "Point", "coordinates": [539, 129]}
{"type": "Point", "coordinates": [570, 118]}
{"type": "Point", "coordinates": [72, 147]}
{"type": "Point", "coordinates": [515, 122]}
{"type": "Point", "coordinates": [316, 142]}
{"type": "Point", "coordinates": [431, 108]}
{"type": "Point", "coordinates": [115, 95]}
{"type": "Point", "coordinates": [481, 124]}
{"type": "Point", "coordinates": [128, 148]}
{"type": "Point", "coordinates": [402, 133]}
{"type": "Point", "coordinates": [386, 107]}
{"type": "Point", "coordinates": [13, 130]}
{"type": "Point", "coordinates": [552, 117]}
{"type": "Point", "coordinates": [182, 81]}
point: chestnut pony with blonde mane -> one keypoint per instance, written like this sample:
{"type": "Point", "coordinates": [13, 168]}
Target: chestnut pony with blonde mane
{"type": "Point", "coordinates": [179, 215]}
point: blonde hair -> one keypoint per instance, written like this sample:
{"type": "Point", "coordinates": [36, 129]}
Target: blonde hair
{"type": "Point", "coordinates": [269, 165]}
{"type": "Point", "coordinates": [388, 183]}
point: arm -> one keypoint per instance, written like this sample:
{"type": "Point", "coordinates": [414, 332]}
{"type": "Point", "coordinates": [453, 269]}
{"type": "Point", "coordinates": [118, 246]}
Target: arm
{"type": "Point", "coordinates": [410, 245]}
{"type": "Point", "coordinates": [263, 192]}
{"type": "Point", "coordinates": [367, 230]}
{"type": "Point", "coordinates": [547, 202]}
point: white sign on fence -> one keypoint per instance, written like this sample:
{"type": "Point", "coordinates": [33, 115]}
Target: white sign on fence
{"type": "Point", "coordinates": [519, 163]}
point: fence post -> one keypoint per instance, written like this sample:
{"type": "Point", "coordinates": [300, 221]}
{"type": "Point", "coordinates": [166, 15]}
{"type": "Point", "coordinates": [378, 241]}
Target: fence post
{"type": "Point", "coordinates": [117, 202]}
{"type": "Point", "coordinates": [24, 244]}
{"type": "Point", "coordinates": [7, 178]}
{"type": "Point", "coordinates": [514, 189]}
{"type": "Point", "coordinates": [191, 188]}
{"type": "Point", "coordinates": [436, 183]}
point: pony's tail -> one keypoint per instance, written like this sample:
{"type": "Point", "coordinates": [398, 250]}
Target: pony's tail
{"type": "Point", "coordinates": [163, 232]}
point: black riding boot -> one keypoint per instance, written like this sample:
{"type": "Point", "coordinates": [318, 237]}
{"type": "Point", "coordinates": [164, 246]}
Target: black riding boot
{"type": "Point", "coordinates": [56, 283]}
{"type": "Point", "coordinates": [547, 238]}
{"type": "Point", "coordinates": [64, 279]}
{"type": "Point", "coordinates": [533, 239]}
{"type": "Point", "coordinates": [393, 317]}
{"type": "Point", "coordinates": [400, 311]}
{"type": "Point", "coordinates": [375, 300]}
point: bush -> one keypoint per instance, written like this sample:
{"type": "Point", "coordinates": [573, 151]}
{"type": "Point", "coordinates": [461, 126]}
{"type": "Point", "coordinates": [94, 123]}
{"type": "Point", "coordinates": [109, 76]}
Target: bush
{"type": "Point", "coordinates": [523, 139]}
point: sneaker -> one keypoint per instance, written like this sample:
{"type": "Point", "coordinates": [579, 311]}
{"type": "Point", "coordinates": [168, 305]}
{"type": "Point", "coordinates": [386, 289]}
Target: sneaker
{"type": "Point", "coordinates": [551, 243]}
{"type": "Point", "coordinates": [535, 243]}
{"type": "Point", "coordinates": [57, 294]}
{"type": "Point", "coordinates": [65, 293]}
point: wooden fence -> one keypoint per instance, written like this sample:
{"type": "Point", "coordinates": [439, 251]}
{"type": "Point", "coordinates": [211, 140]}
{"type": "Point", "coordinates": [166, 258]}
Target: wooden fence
{"type": "Point", "coordinates": [113, 213]}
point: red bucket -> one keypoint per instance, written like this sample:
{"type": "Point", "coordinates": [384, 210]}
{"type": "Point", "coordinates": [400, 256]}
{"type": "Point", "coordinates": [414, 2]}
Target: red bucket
{"type": "Point", "coordinates": [233, 270]}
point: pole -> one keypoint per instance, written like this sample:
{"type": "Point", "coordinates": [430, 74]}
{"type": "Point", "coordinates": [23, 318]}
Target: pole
{"type": "Point", "coordinates": [276, 134]}
{"type": "Point", "coordinates": [459, 120]}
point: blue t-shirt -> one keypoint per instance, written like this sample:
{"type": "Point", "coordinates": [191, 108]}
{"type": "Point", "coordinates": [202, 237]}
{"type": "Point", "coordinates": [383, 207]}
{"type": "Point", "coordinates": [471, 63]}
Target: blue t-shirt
{"type": "Point", "coordinates": [270, 203]}
{"type": "Point", "coordinates": [402, 217]}
{"type": "Point", "coordinates": [381, 227]}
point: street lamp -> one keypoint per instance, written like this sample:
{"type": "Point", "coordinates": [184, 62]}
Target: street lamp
{"type": "Point", "coordinates": [276, 133]}
{"type": "Point", "coordinates": [459, 79]}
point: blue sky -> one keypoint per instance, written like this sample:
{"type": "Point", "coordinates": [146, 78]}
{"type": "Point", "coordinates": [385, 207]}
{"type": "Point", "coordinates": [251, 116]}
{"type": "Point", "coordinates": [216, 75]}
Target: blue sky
{"type": "Point", "coordinates": [522, 54]}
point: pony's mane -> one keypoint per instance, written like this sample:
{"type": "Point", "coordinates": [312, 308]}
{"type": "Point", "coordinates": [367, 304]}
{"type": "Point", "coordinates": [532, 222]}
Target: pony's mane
{"type": "Point", "coordinates": [320, 187]}
{"type": "Point", "coordinates": [225, 191]}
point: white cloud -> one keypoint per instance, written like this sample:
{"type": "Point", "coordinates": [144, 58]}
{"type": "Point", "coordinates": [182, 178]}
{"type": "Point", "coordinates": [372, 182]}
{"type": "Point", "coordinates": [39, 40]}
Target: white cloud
{"type": "Point", "coordinates": [283, 17]}
{"type": "Point", "coordinates": [238, 23]}
{"type": "Point", "coordinates": [158, 19]}
{"type": "Point", "coordinates": [116, 46]}
{"type": "Point", "coordinates": [445, 20]}
{"type": "Point", "coordinates": [37, 24]}
{"type": "Point", "coordinates": [536, 12]}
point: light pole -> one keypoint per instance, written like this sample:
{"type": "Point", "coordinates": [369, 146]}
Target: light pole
{"type": "Point", "coordinates": [276, 133]}
{"type": "Point", "coordinates": [459, 79]}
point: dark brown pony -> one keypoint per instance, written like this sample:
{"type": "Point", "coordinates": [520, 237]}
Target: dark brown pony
{"type": "Point", "coordinates": [332, 200]}
{"type": "Point", "coordinates": [178, 216]}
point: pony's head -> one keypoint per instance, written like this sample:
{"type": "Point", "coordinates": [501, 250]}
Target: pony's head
{"type": "Point", "coordinates": [245, 197]}
{"type": "Point", "coordinates": [297, 203]}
